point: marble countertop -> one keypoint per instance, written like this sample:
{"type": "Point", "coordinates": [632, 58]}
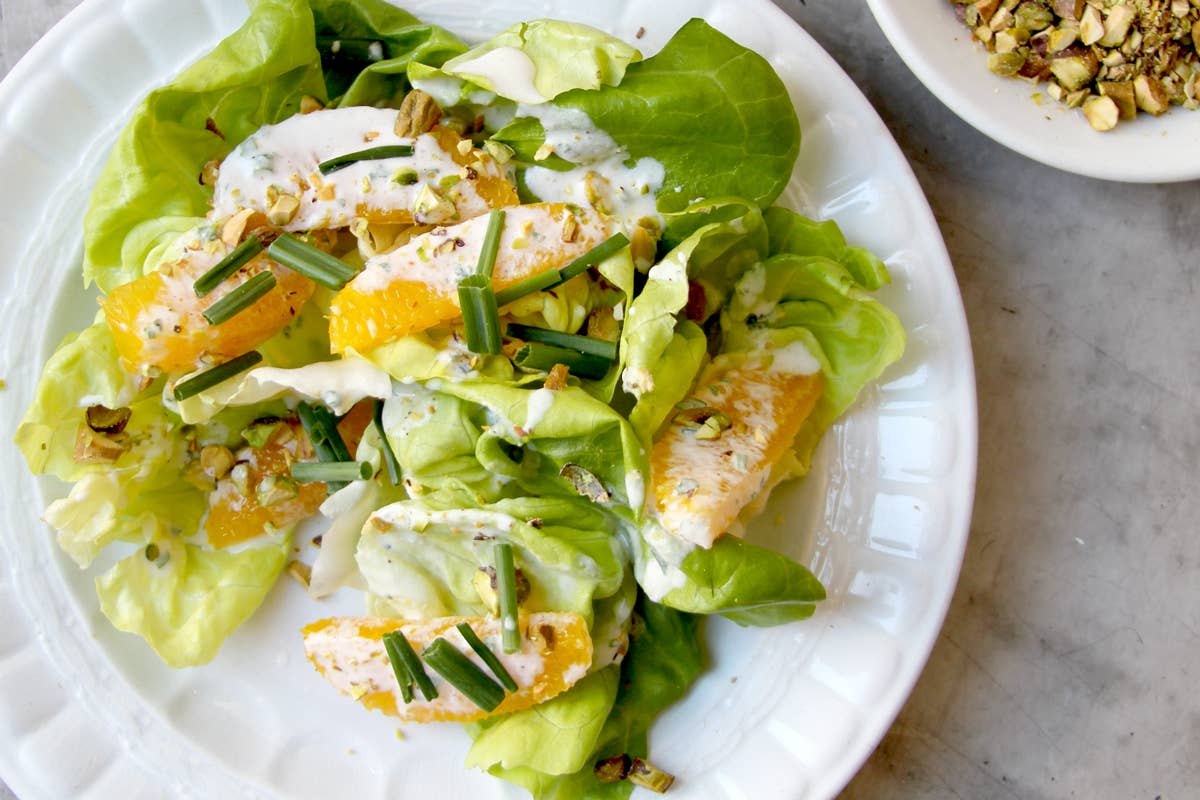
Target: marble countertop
{"type": "Point", "coordinates": [1067, 665]}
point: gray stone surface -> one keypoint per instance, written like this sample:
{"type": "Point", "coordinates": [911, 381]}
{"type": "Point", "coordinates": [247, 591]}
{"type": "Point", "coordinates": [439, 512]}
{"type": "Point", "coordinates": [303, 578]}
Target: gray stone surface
{"type": "Point", "coordinates": [1068, 663]}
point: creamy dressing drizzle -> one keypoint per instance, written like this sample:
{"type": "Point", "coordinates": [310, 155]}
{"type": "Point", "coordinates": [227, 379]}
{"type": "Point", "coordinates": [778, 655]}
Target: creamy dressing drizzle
{"type": "Point", "coordinates": [507, 70]}
{"type": "Point", "coordinates": [540, 402]}
{"type": "Point", "coordinates": [443, 256]}
{"type": "Point", "coordinates": [285, 157]}
{"type": "Point", "coordinates": [603, 177]}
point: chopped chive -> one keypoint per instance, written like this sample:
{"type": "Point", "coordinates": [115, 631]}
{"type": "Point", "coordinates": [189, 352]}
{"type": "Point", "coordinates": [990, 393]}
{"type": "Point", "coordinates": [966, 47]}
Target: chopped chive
{"type": "Point", "coordinates": [506, 588]}
{"type": "Point", "coordinates": [228, 265]}
{"type": "Point", "coordinates": [491, 243]}
{"type": "Point", "coordinates": [412, 663]}
{"type": "Point", "coordinates": [218, 374]}
{"type": "Point", "coordinates": [331, 471]}
{"type": "Point", "coordinates": [601, 252]}
{"type": "Point", "coordinates": [321, 427]}
{"type": "Point", "coordinates": [489, 658]}
{"type": "Point", "coordinates": [481, 316]}
{"type": "Point", "coordinates": [240, 299]}
{"type": "Point", "coordinates": [584, 344]}
{"type": "Point", "coordinates": [370, 154]}
{"type": "Point", "coordinates": [461, 673]}
{"type": "Point", "coordinates": [553, 277]}
{"type": "Point", "coordinates": [535, 283]}
{"type": "Point", "coordinates": [403, 678]}
{"type": "Point", "coordinates": [311, 262]}
{"type": "Point", "coordinates": [389, 457]}
{"type": "Point", "coordinates": [543, 357]}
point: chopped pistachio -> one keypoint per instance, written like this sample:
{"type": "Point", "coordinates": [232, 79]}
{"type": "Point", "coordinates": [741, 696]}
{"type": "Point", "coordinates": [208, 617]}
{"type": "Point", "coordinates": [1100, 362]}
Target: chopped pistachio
{"type": "Point", "coordinates": [1116, 25]}
{"type": "Point", "coordinates": [275, 489]}
{"type": "Point", "coordinates": [431, 208]}
{"type": "Point", "coordinates": [1033, 17]}
{"type": "Point", "coordinates": [1091, 26]}
{"type": "Point", "coordinates": [499, 151]}
{"type": "Point", "coordinates": [1149, 95]}
{"type": "Point", "coordinates": [1006, 64]}
{"type": "Point", "coordinates": [1068, 9]}
{"type": "Point", "coordinates": [713, 427]}
{"type": "Point", "coordinates": [1075, 67]}
{"type": "Point", "coordinates": [92, 447]}
{"type": "Point", "coordinates": [1122, 94]}
{"type": "Point", "coordinates": [103, 419]}
{"type": "Point", "coordinates": [1101, 112]}
{"type": "Point", "coordinates": [650, 777]}
{"type": "Point", "coordinates": [284, 209]}
{"type": "Point", "coordinates": [240, 477]}
{"type": "Point", "coordinates": [545, 151]}
{"type": "Point", "coordinates": [585, 483]}
{"type": "Point", "coordinates": [1006, 44]}
{"type": "Point", "coordinates": [262, 432]}
{"type": "Point", "coordinates": [418, 113]}
{"type": "Point", "coordinates": [1061, 38]}
{"type": "Point", "coordinates": [406, 176]}
{"type": "Point", "coordinates": [216, 461]}
{"type": "Point", "coordinates": [484, 582]}
{"type": "Point", "coordinates": [986, 8]}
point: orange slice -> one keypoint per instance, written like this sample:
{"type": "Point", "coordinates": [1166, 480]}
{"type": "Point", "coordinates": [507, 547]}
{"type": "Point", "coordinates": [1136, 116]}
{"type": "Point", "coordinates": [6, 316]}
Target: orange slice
{"type": "Point", "coordinates": [556, 651]}
{"type": "Point", "coordinates": [157, 320]}
{"type": "Point", "coordinates": [234, 516]}
{"type": "Point", "coordinates": [699, 484]}
{"type": "Point", "coordinates": [415, 287]}
{"type": "Point", "coordinates": [444, 179]}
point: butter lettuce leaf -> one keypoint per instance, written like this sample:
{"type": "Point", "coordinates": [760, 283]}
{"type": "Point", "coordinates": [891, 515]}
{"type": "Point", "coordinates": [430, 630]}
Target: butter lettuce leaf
{"type": "Point", "coordinates": [558, 56]}
{"type": "Point", "coordinates": [665, 657]}
{"type": "Point", "coordinates": [376, 43]}
{"type": "Point", "coordinates": [254, 77]}
{"type": "Point", "coordinates": [714, 113]}
{"type": "Point", "coordinates": [187, 601]}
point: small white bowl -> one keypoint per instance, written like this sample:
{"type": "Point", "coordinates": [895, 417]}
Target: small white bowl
{"type": "Point", "coordinates": [939, 49]}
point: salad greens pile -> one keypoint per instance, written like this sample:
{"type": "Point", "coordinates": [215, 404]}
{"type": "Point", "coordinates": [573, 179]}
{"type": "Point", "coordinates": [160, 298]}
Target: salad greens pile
{"type": "Point", "coordinates": [719, 121]}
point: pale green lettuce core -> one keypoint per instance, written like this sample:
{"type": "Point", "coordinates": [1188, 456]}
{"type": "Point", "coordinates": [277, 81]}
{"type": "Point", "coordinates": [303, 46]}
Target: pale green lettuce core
{"type": "Point", "coordinates": [536, 61]}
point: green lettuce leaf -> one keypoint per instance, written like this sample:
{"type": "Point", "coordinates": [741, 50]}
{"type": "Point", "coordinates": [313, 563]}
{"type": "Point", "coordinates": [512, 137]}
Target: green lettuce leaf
{"type": "Point", "coordinates": [661, 353]}
{"type": "Point", "coordinates": [807, 296]}
{"type": "Point", "coordinates": [83, 371]}
{"type": "Point", "coordinates": [714, 113]}
{"type": "Point", "coordinates": [557, 737]}
{"type": "Point", "coordinates": [421, 557]}
{"type": "Point", "coordinates": [187, 601]}
{"type": "Point", "coordinates": [376, 43]}
{"type": "Point", "coordinates": [561, 56]}
{"type": "Point", "coordinates": [254, 77]}
{"type": "Point", "coordinates": [665, 657]}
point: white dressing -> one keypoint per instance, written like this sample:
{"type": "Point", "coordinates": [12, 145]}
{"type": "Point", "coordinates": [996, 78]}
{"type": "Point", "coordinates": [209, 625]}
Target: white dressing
{"type": "Point", "coordinates": [507, 71]}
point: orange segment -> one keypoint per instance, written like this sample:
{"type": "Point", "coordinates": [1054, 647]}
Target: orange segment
{"type": "Point", "coordinates": [415, 287]}
{"type": "Point", "coordinates": [236, 517]}
{"type": "Point", "coordinates": [485, 180]}
{"type": "Point", "coordinates": [157, 320]}
{"type": "Point", "coordinates": [700, 485]}
{"type": "Point", "coordinates": [556, 651]}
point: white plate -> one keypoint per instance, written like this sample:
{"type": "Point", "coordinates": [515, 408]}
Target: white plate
{"type": "Point", "coordinates": [939, 49]}
{"type": "Point", "coordinates": [87, 712]}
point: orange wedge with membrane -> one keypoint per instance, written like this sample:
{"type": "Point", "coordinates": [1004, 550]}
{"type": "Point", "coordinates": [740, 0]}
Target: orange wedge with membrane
{"type": "Point", "coordinates": [235, 513]}
{"type": "Point", "coordinates": [157, 320]}
{"type": "Point", "coordinates": [752, 414]}
{"type": "Point", "coordinates": [415, 287]}
{"type": "Point", "coordinates": [556, 651]}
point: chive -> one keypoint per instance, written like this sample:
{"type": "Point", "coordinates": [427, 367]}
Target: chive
{"type": "Point", "coordinates": [489, 658]}
{"type": "Point", "coordinates": [403, 678]}
{"type": "Point", "coordinates": [412, 664]}
{"type": "Point", "coordinates": [311, 262]}
{"type": "Point", "coordinates": [481, 317]}
{"type": "Point", "coordinates": [389, 457]}
{"type": "Point", "coordinates": [321, 427]}
{"type": "Point", "coordinates": [553, 277]}
{"type": "Point", "coordinates": [228, 265]}
{"type": "Point", "coordinates": [335, 471]}
{"type": "Point", "coordinates": [218, 374]}
{"type": "Point", "coordinates": [601, 252]}
{"type": "Point", "coordinates": [461, 673]}
{"type": "Point", "coordinates": [370, 154]}
{"type": "Point", "coordinates": [491, 243]}
{"type": "Point", "coordinates": [535, 283]}
{"type": "Point", "coordinates": [543, 357]}
{"type": "Point", "coordinates": [240, 299]}
{"type": "Point", "coordinates": [584, 344]}
{"type": "Point", "coordinates": [506, 587]}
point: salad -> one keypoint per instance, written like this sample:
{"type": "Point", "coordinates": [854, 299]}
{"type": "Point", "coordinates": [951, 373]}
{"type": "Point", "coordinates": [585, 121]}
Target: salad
{"type": "Point", "coordinates": [516, 330]}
